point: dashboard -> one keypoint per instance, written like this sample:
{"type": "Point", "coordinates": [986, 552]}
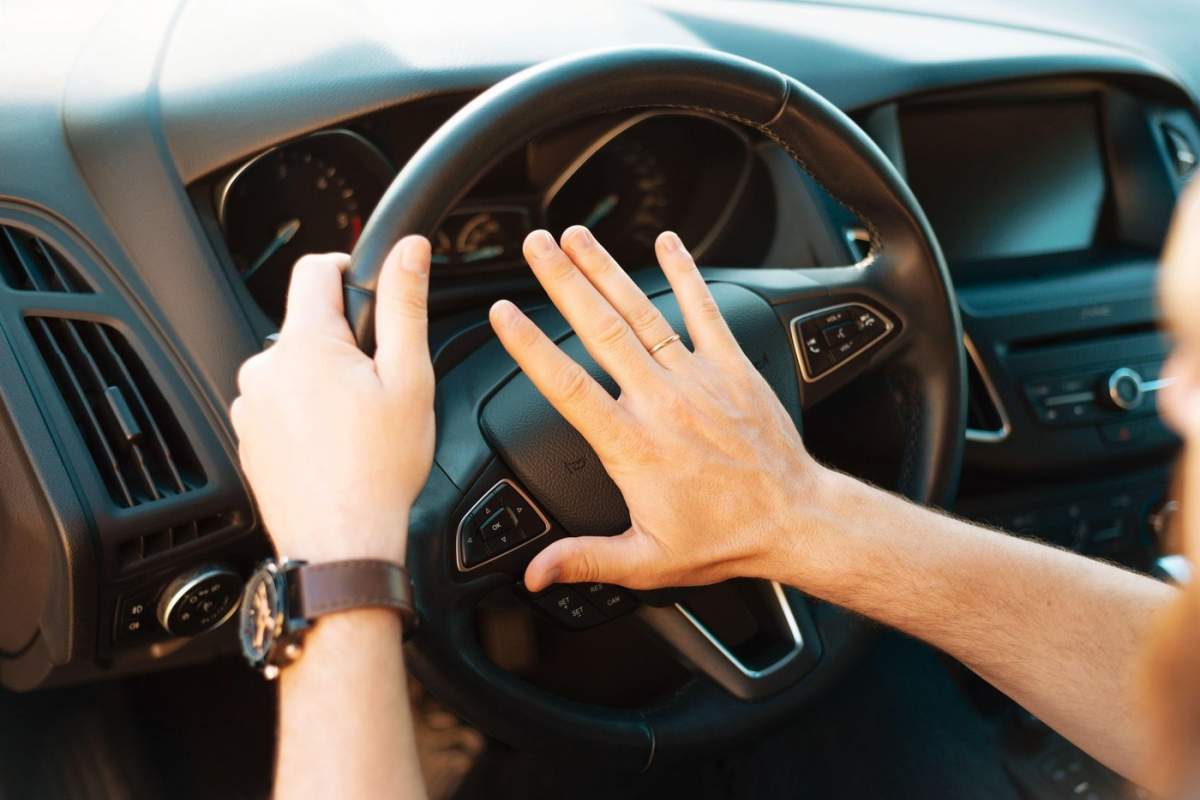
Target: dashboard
{"type": "Point", "coordinates": [167, 181]}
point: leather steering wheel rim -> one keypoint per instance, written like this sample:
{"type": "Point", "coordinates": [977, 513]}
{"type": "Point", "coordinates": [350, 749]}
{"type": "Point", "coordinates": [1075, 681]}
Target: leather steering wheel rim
{"type": "Point", "coordinates": [904, 270]}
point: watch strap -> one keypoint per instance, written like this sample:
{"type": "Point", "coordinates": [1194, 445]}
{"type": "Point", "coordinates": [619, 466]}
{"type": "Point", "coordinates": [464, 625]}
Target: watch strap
{"type": "Point", "coordinates": [335, 586]}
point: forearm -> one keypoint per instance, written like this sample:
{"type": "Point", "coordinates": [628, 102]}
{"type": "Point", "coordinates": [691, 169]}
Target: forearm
{"type": "Point", "coordinates": [1059, 633]}
{"type": "Point", "coordinates": [344, 717]}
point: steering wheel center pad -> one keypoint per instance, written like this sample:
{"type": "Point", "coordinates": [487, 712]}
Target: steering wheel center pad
{"type": "Point", "coordinates": [558, 467]}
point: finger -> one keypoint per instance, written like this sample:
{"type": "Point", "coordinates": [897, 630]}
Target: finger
{"type": "Point", "coordinates": [602, 270]}
{"type": "Point", "coordinates": [251, 369]}
{"type": "Point", "coordinates": [623, 560]}
{"type": "Point", "coordinates": [603, 331]}
{"type": "Point", "coordinates": [314, 301]}
{"type": "Point", "coordinates": [701, 314]}
{"type": "Point", "coordinates": [402, 312]}
{"type": "Point", "coordinates": [237, 414]}
{"type": "Point", "coordinates": [566, 385]}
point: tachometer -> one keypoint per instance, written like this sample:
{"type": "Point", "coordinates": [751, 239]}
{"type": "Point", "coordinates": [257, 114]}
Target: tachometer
{"type": "Point", "coordinates": [623, 194]}
{"type": "Point", "coordinates": [310, 196]}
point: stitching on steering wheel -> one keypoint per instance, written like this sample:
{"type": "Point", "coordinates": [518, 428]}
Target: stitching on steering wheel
{"type": "Point", "coordinates": [908, 404]}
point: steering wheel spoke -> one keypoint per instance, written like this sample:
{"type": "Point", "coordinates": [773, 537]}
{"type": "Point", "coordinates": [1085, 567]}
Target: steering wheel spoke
{"type": "Point", "coordinates": [752, 638]}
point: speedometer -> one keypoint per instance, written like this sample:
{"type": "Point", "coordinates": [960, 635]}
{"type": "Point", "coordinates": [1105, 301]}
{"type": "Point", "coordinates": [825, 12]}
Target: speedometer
{"type": "Point", "coordinates": [309, 196]}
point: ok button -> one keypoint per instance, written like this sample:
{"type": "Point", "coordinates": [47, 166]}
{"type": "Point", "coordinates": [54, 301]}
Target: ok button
{"type": "Point", "coordinates": [501, 523]}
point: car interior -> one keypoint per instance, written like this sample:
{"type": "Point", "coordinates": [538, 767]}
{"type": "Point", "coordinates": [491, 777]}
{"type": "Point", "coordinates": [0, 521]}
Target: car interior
{"type": "Point", "coordinates": [933, 225]}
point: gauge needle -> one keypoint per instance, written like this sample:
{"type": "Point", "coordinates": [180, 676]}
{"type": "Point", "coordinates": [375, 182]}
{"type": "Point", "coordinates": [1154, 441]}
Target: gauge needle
{"type": "Point", "coordinates": [283, 235]}
{"type": "Point", "coordinates": [483, 253]}
{"type": "Point", "coordinates": [602, 210]}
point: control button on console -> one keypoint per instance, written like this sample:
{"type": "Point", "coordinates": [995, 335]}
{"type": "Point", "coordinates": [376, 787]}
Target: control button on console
{"type": "Point", "coordinates": [199, 600]}
{"type": "Point", "coordinates": [1071, 385]}
{"type": "Point", "coordinates": [1123, 389]}
{"type": "Point", "coordinates": [1039, 390]}
{"type": "Point", "coordinates": [566, 606]}
{"type": "Point", "coordinates": [135, 616]}
{"type": "Point", "coordinates": [1121, 434]}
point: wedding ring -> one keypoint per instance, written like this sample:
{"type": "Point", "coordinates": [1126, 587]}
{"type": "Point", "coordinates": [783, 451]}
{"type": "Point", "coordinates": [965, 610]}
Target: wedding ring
{"type": "Point", "coordinates": [672, 338]}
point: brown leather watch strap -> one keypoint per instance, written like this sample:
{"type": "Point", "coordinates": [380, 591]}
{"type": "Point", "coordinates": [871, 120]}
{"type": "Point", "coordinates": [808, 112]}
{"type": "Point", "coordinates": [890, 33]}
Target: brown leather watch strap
{"type": "Point", "coordinates": [343, 585]}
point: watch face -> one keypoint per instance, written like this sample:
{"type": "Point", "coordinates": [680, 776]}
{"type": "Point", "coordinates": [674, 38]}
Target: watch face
{"type": "Point", "coordinates": [260, 615]}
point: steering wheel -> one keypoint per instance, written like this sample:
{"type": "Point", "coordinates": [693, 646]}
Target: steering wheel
{"type": "Point", "coordinates": [500, 445]}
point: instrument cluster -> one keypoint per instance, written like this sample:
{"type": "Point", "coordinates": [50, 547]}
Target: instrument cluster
{"type": "Point", "coordinates": [626, 179]}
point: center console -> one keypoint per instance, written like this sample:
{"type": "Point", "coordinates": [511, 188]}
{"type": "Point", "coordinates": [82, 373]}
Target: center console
{"type": "Point", "coordinates": [1051, 200]}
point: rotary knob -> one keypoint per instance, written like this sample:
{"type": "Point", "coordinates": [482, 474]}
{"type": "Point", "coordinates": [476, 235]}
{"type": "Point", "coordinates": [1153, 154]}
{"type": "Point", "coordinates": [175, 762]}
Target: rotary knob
{"type": "Point", "coordinates": [199, 600]}
{"type": "Point", "coordinates": [1124, 390]}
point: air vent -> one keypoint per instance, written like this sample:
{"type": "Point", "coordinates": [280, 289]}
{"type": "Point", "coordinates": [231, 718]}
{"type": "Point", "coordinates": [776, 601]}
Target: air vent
{"type": "Point", "coordinates": [28, 264]}
{"type": "Point", "coordinates": [986, 420]}
{"type": "Point", "coordinates": [155, 543]}
{"type": "Point", "coordinates": [1181, 150]}
{"type": "Point", "coordinates": [130, 431]}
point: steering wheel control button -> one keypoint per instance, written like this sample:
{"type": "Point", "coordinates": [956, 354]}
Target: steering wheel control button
{"type": "Point", "coordinates": [199, 600]}
{"type": "Point", "coordinates": [529, 521]}
{"type": "Point", "coordinates": [501, 520]}
{"type": "Point", "coordinates": [613, 601]}
{"type": "Point", "coordinates": [473, 549]}
{"type": "Point", "coordinates": [827, 339]}
{"type": "Point", "coordinates": [840, 334]}
{"type": "Point", "coordinates": [584, 605]}
{"type": "Point", "coordinates": [568, 608]}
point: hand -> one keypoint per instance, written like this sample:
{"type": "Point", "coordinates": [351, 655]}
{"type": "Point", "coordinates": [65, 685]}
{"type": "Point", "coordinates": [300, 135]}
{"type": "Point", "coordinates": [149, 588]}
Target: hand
{"type": "Point", "coordinates": [709, 462]}
{"type": "Point", "coordinates": [335, 444]}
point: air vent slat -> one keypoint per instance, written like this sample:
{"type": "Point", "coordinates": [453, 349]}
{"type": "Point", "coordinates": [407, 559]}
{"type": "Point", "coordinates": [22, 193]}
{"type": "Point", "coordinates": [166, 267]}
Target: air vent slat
{"type": "Point", "coordinates": [18, 273]}
{"type": "Point", "coordinates": [81, 410]}
{"type": "Point", "coordinates": [129, 429]}
{"type": "Point", "coordinates": [29, 264]}
{"type": "Point", "coordinates": [61, 277]}
{"type": "Point", "coordinates": [146, 418]}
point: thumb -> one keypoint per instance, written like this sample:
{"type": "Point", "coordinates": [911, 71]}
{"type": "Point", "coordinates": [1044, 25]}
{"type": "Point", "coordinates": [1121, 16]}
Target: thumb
{"type": "Point", "coordinates": [588, 559]}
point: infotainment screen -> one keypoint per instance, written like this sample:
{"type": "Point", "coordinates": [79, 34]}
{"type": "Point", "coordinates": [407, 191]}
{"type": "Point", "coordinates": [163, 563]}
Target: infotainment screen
{"type": "Point", "coordinates": [1006, 180]}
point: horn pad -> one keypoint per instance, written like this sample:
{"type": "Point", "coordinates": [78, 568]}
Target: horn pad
{"type": "Point", "coordinates": [558, 467]}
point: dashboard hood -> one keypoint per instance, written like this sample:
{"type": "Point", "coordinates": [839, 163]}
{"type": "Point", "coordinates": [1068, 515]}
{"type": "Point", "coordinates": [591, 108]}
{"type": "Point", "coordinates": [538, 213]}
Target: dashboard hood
{"type": "Point", "coordinates": [236, 77]}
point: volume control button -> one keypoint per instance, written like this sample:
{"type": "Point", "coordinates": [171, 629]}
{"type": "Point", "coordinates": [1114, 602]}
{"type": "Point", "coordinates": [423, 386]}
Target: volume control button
{"type": "Point", "coordinates": [1123, 390]}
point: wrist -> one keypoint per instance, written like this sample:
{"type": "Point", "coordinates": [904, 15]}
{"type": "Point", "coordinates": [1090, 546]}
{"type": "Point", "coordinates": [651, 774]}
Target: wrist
{"type": "Point", "coordinates": [380, 540]}
{"type": "Point", "coordinates": [820, 536]}
{"type": "Point", "coordinates": [346, 630]}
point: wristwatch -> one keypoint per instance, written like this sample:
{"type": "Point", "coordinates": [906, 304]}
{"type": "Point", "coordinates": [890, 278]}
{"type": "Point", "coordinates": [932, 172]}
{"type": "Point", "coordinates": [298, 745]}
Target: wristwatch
{"type": "Point", "coordinates": [282, 600]}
